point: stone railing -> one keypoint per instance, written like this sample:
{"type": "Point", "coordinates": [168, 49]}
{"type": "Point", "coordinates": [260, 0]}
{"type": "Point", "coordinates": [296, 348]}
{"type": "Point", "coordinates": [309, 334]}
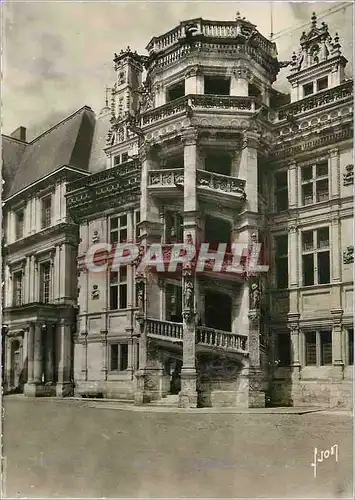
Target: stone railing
{"type": "Point", "coordinates": [312, 102]}
{"type": "Point", "coordinates": [164, 328]}
{"type": "Point", "coordinates": [200, 102]}
{"type": "Point", "coordinates": [219, 338]}
{"type": "Point", "coordinates": [219, 182]}
{"type": "Point", "coordinates": [166, 177]}
{"type": "Point", "coordinates": [210, 29]}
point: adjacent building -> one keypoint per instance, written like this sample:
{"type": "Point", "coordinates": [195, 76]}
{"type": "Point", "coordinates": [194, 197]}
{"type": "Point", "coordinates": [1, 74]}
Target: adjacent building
{"type": "Point", "coordinates": [195, 146]}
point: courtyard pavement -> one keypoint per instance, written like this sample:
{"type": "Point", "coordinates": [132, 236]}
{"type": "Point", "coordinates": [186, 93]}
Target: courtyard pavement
{"type": "Point", "coordinates": [69, 448]}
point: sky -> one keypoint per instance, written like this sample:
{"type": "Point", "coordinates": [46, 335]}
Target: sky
{"type": "Point", "coordinates": [57, 56]}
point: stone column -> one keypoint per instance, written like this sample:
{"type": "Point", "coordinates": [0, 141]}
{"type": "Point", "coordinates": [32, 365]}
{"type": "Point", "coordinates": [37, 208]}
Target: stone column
{"type": "Point", "coordinates": [257, 379]}
{"type": "Point", "coordinates": [38, 354]}
{"type": "Point", "coordinates": [239, 84]}
{"type": "Point", "coordinates": [30, 356]}
{"type": "Point", "coordinates": [140, 395]}
{"type": "Point", "coordinates": [8, 287]}
{"type": "Point", "coordinates": [292, 179]}
{"type": "Point", "coordinates": [338, 362]}
{"type": "Point", "coordinates": [334, 173]}
{"type": "Point", "coordinates": [27, 225]}
{"type": "Point", "coordinates": [336, 268]}
{"type": "Point", "coordinates": [295, 346]}
{"type": "Point", "coordinates": [293, 266]}
{"type": "Point", "coordinates": [64, 385]}
{"type": "Point", "coordinates": [248, 168]}
{"type": "Point", "coordinates": [149, 209]}
{"type": "Point", "coordinates": [104, 368]}
{"type": "Point", "coordinates": [49, 355]}
{"type": "Point", "coordinates": [191, 81]}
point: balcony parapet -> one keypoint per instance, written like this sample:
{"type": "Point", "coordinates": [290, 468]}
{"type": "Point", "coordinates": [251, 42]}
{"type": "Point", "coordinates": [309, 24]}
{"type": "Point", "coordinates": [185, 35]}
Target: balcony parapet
{"type": "Point", "coordinates": [221, 339]}
{"type": "Point", "coordinates": [172, 177]}
{"type": "Point", "coordinates": [222, 183]}
{"type": "Point", "coordinates": [101, 187]}
{"type": "Point", "coordinates": [164, 329]}
{"type": "Point", "coordinates": [315, 101]}
{"type": "Point", "coordinates": [200, 102]}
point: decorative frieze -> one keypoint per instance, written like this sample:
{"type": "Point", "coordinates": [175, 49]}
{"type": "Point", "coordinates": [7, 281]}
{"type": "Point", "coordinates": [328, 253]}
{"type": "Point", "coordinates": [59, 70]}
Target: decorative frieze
{"type": "Point", "coordinates": [166, 177]}
{"type": "Point", "coordinates": [348, 176]}
{"type": "Point", "coordinates": [348, 255]}
{"type": "Point", "coordinates": [220, 182]}
{"type": "Point", "coordinates": [95, 293]}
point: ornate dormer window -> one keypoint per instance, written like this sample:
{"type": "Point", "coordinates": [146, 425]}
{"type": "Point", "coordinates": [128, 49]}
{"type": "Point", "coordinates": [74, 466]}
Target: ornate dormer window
{"type": "Point", "coordinates": [319, 63]}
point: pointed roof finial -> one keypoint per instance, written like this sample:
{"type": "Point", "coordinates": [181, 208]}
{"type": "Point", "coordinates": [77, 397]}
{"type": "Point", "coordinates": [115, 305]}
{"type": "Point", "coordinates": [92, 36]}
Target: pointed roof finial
{"type": "Point", "coordinates": [314, 20]}
{"type": "Point", "coordinates": [238, 15]}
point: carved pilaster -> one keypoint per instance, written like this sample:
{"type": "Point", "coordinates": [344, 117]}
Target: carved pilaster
{"type": "Point", "coordinates": [189, 136]}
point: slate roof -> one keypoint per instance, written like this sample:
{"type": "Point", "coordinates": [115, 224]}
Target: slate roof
{"type": "Point", "coordinates": [98, 158]}
{"type": "Point", "coordinates": [67, 143]}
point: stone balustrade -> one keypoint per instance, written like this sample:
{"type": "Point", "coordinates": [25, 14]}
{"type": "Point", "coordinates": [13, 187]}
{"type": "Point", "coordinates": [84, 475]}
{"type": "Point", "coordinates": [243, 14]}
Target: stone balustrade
{"type": "Point", "coordinates": [200, 102]}
{"type": "Point", "coordinates": [312, 102]}
{"type": "Point", "coordinates": [222, 183]}
{"type": "Point", "coordinates": [164, 329]}
{"type": "Point", "coordinates": [219, 338]}
{"type": "Point", "coordinates": [208, 337]}
{"type": "Point", "coordinates": [166, 177]}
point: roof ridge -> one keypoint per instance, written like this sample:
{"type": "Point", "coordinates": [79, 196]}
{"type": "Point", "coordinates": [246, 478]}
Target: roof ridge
{"type": "Point", "coordinates": [25, 143]}
{"type": "Point", "coordinates": [61, 122]}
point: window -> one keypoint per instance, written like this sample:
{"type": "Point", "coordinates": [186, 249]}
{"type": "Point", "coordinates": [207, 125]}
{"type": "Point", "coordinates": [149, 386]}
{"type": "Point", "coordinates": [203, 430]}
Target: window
{"type": "Point", "coordinates": [118, 357]}
{"type": "Point", "coordinates": [19, 221]}
{"type": "Point", "coordinates": [253, 90]}
{"type": "Point", "coordinates": [307, 89]}
{"type": "Point", "coordinates": [136, 225]}
{"type": "Point", "coordinates": [124, 157]}
{"type": "Point", "coordinates": [220, 163]}
{"type": "Point", "coordinates": [118, 229]}
{"type": "Point", "coordinates": [281, 243]}
{"type": "Point", "coordinates": [283, 347]}
{"type": "Point", "coordinates": [116, 160]}
{"type": "Point", "coordinates": [173, 297]}
{"type": "Point", "coordinates": [174, 227]}
{"type": "Point", "coordinates": [315, 183]}
{"type": "Point", "coordinates": [322, 83]}
{"type": "Point", "coordinates": [316, 257]}
{"type": "Point", "coordinates": [318, 348]}
{"type": "Point", "coordinates": [17, 290]}
{"type": "Point", "coordinates": [45, 282]}
{"type": "Point", "coordinates": [351, 346]}
{"type": "Point", "coordinates": [175, 91]}
{"type": "Point", "coordinates": [46, 211]}
{"type": "Point", "coordinates": [281, 191]}
{"type": "Point", "coordinates": [118, 288]}
{"type": "Point", "coordinates": [217, 85]}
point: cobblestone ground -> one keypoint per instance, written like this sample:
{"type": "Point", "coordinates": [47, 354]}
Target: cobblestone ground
{"type": "Point", "coordinates": [66, 449]}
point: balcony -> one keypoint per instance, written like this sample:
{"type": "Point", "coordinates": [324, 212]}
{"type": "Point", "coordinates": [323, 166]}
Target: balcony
{"type": "Point", "coordinates": [223, 188]}
{"type": "Point", "coordinates": [205, 337]}
{"type": "Point", "coordinates": [165, 182]}
{"type": "Point", "coordinates": [200, 102]}
{"type": "Point", "coordinates": [315, 101]}
{"type": "Point", "coordinates": [98, 191]}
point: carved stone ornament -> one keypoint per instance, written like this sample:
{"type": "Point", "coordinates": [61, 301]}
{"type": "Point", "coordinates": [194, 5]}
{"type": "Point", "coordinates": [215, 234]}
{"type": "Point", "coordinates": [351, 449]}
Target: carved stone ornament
{"type": "Point", "coordinates": [348, 176]}
{"type": "Point", "coordinates": [189, 316]}
{"type": "Point", "coordinates": [255, 295]}
{"type": "Point", "coordinates": [140, 287]}
{"type": "Point", "coordinates": [95, 294]}
{"type": "Point", "coordinates": [348, 255]}
{"type": "Point", "coordinates": [95, 237]}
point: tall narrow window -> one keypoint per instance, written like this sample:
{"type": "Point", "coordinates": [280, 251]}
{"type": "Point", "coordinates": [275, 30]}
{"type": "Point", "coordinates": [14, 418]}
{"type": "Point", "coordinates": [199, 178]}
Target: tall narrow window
{"type": "Point", "coordinates": [174, 227]}
{"type": "Point", "coordinates": [17, 288]}
{"type": "Point", "coordinates": [322, 83]}
{"type": "Point", "coordinates": [19, 222]}
{"type": "Point", "coordinates": [284, 349]}
{"type": "Point", "coordinates": [311, 348]}
{"type": "Point", "coordinates": [173, 297]}
{"type": "Point", "coordinates": [136, 225]}
{"type": "Point", "coordinates": [45, 282]}
{"type": "Point", "coordinates": [118, 229]}
{"type": "Point", "coordinates": [281, 191]}
{"type": "Point", "coordinates": [308, 89]}
{"type": "Point", "coordinates": [118, 357]}
{"type": "Point", "coordinates": [316, 257]}
{"type": "Point", "coordinates": [281, 243]}
{"type": "Point", "coordinates": [46, 214]}
{"type": "Point", "coordinates": [318, 348]}
{"type": "Point", "coordinates": [315, 183]}
{"type": "Point", "coordinates": [118, 289]}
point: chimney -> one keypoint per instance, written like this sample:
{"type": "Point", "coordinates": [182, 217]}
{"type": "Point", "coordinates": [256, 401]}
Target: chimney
{"type": "Point", "coordinates": [20, 134]}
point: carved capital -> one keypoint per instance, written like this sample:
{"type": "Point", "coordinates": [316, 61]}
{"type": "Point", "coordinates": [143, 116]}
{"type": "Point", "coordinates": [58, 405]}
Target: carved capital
{"type": "Point", "coordinates": [189, 316]}
{"type": "Point", "coordinates": [333, 152]}
{"type": "Point", "coordinates": [189, 136]}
